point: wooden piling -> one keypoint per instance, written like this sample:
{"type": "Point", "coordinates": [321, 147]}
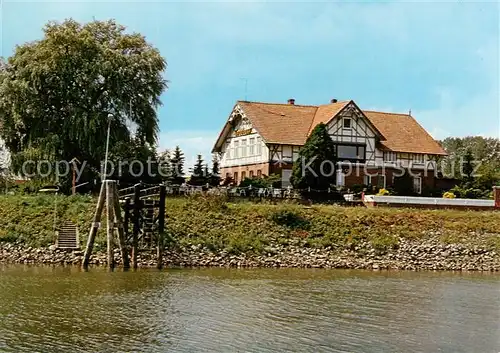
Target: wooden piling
{"type": "Point", "coordinates": [110, 222]}
{"type": "Point", "coordinates": [94, 227]}
{"type": "Point", "coordinates": [136, 226]}
{"type": "Point", "coordinates": [119, 228]}
{"type": "Point", "coordinates": [126, 217]}
{"type": "Point", "coordinates": [161, 228]}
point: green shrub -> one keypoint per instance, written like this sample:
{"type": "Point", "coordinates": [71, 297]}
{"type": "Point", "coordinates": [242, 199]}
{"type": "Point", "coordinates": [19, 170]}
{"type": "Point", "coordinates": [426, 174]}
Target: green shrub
{"type": "Point", "coordinates": [470, 193]}
{"type": "Point", "coordinates": [290, 219]}
{"type": "Point", "coordinates": [217, 203]}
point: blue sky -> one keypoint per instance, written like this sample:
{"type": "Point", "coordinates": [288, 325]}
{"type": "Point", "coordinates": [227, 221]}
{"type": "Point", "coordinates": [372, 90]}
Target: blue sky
{"type": "Point", "coordinates": [441, 60]}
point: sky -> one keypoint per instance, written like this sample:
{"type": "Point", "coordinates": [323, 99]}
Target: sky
{"type": "Point", "coordinates": [438, 59]}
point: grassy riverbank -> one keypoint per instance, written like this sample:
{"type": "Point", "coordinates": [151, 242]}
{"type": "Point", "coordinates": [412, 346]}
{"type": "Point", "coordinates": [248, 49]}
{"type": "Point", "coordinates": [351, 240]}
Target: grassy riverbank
{"type": "Point", "coordinates": [252, 228]}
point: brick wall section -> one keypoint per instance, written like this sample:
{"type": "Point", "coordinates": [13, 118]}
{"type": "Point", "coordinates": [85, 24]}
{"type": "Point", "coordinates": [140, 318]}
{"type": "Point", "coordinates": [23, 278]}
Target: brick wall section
{"type": "Point", "coordinates": [355, 178]}
{"type": "Point", "coordinates": [358, 177]}
{"type": "Point", "coordinates": [245, 170]}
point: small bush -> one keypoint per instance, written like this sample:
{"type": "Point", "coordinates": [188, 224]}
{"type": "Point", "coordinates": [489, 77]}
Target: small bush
{"type": "Point", "coordinates": [207, 203]}
{"type": "Point", "coordinates": [357, 188]}
{"type": "Point", "coordinates": [290, 219]}
{"type": "Point", "coordinates": [470, 193]}
{"type": "Point", "coordinates": [384, 243]}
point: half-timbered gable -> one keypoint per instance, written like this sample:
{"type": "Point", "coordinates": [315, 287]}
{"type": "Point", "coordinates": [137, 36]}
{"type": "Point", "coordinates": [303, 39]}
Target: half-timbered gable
{"type": "Point", "coordinates": [354, 135]}
{"type": "Point", "coordinates": [241, 143]}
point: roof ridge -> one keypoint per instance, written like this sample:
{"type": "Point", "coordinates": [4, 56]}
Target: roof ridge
{"type": "Point", "coordinates": [286, 104]}
{"type": "Point", "coordinates": [376, 111]}
{"type": "Point", "coordinates": [337, 102]}
{"type": "Point", "coordinates": [312, 122]}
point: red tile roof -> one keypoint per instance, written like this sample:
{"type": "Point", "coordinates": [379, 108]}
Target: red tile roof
{"type": "Point", "coordinates": [291, 124]}
{"type": "Point", "coordinates": [280, 123]}
{"type": "Point", "coordinates": [402, 133]}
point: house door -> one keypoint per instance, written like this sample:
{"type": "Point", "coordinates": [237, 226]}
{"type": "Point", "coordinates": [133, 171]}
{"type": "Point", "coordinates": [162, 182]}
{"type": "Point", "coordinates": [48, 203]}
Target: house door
{"type": "Point", "coordinates": [285, 178]}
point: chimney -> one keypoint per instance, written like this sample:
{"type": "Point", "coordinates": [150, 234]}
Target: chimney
{"type": "Point", "coordinates": [291, 101]}
{"type": "Point", "coordinates": [333, 100]}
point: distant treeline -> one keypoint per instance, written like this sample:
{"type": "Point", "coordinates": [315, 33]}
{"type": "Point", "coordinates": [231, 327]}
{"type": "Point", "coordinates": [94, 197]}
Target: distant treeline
{"type": "Point", "coordinates": [473, 160]}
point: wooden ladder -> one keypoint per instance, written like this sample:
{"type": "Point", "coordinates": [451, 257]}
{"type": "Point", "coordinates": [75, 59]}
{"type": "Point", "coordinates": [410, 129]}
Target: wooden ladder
{"type": "Point", "coordinates": [67, 236]}
{"type": "Point", "coordinates": [148, 223]}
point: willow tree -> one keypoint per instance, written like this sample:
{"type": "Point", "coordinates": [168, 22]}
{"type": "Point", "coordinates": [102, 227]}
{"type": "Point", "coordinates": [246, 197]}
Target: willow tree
{"type": "Point", "coordinates": [58, 94]}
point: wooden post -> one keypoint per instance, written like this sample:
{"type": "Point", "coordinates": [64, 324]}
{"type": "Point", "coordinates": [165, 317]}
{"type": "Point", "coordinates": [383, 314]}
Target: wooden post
{"type": "Point", "coordinates": [110, 222]}
{"type": "Point", "coordinates": [94, 228]}
{"type": "Point", "coordinates": [74, 180]}
{"type": "Point", "coordinates": [136, 230]}
{"type": "Point", "coordinates": [126, 218]}
{"type": "Point", "coordinates": [161, 228]}
{"type": "Point", "coordinates": [119, 227]}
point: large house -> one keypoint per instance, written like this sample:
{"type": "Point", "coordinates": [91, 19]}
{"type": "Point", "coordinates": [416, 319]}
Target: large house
{"type": "Point", "coordinates": [372, 148]}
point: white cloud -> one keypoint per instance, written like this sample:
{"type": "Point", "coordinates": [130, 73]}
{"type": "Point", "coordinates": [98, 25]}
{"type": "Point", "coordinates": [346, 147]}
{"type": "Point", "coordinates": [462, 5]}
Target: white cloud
{"type": "Point", "coordinates": [478, 115]}
{"type": "Point", "coordinates": [439, 134]}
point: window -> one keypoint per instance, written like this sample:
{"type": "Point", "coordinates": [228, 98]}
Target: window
{"type": "Point", "coordinates": [259, 146]}
{"type": "Point", "coordinates": [251, 148]}
{"type": "Point", "coordinates": [250, 174]}
{"type": "Point", "coordinates": [236, 177]}
{"type": "Point", "coordinates": [346, 123]}
{"type": "Point", "coordinates": [236, 149]}
{"type": "Point", "coordinates": [227, 175]}
{"type": "Point", "coordinates": [243, 149]}
{"type": "Point", "coordinates": [356, 152]}
{"type": "Point", "coordinates": [228, 152]}
{"type": "Point", "coordinates": [243, 175]}
{"type": "Point", "coordinates": [381, 182]}
{"type": "Point", "coordinates": [417, 185]}
{"type": "Point", "coordinates": [418, 158]}
{"type": "Point", "coordinates": [390, 156]}
{"type": "Point", "coordinates": [259, 173]}
{"type": "Point", "coordinates": [367, 180]}
{"type": "Point", "coordinates": [295, 153]}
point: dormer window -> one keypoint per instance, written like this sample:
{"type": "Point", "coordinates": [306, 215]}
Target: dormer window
{"type": "Point", "coordinates": [346, 123]}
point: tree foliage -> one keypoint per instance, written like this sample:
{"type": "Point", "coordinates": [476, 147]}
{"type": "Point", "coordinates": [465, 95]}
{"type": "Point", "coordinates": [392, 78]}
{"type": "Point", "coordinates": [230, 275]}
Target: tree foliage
{"type": "Point", "coordinates": [58, 94]}
{"type": "Point", "coordinates": [214, 177]}
{"type": "Point", "coordinates": [473, 160]}
{"type": "Point", "coordinates": [273, 180]}
{"type": "Point", "coordinates": [199, 174]}
{"type": "Point", "coordinates": [177, 165]}
{"type": "Point", "coordinates": [134, 162]}
{"type": "Point", "coordinates": [315, 167]}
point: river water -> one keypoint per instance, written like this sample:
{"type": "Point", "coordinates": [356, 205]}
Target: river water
{"type": "Point", "coordinates": [56, 309]}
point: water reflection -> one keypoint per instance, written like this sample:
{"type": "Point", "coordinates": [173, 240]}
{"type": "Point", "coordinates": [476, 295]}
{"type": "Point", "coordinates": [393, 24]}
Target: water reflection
{"type": "Point", "coordinates": [220, 310]}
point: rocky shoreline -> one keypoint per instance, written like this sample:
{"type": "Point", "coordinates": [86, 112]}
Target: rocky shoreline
{"type": "Point", "coordinates": [430, 254]}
